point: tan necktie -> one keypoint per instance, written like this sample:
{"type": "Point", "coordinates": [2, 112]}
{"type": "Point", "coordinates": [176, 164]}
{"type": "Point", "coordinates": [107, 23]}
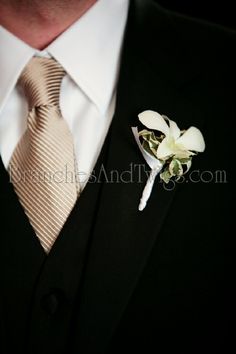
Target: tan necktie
{"type": "Point", "coordinates": [43, 167]}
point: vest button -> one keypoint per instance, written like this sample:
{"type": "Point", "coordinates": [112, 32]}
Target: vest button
{"type": "Point", "coordinates": [51, 302]}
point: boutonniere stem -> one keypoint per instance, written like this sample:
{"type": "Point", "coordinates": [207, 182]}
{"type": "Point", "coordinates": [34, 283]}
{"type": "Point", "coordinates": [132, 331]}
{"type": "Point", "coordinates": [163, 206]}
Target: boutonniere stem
{"type": "Point", "coordinates": [155, 166]}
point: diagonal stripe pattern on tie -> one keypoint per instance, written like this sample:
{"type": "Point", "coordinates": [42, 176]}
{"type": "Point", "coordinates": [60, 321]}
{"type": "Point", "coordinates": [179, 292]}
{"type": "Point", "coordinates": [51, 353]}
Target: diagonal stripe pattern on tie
{"type": "Point", "coordinates": [43, 165]}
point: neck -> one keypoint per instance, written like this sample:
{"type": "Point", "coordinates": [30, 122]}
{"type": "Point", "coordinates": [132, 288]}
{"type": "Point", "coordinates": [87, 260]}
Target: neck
{"type": "Point", "coordinates": [39, 22]}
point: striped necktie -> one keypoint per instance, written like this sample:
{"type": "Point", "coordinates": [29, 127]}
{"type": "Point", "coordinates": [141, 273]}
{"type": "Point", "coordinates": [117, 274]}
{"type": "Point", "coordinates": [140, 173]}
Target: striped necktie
{"type": "Point", "coordinates": [43, 166]}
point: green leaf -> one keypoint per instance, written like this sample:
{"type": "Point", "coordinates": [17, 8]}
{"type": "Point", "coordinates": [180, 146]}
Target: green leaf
{"type": "Point", "coordinates": [150, 136]}
{"type": "Point", "coordinates": [184, 160]}
{"type": "Point", "coordinates": [147, 148]}
{"type": "Point", "coordinates": [150, 142]}
{"type": "Point", "coordinates": [175, 168]}
{"type": "Point", "coordinates": [165, 175]}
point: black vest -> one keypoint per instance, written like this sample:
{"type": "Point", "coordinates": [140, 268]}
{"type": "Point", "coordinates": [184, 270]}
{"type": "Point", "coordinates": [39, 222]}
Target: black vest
{"type": "Point", "coordinates": [34, 281]}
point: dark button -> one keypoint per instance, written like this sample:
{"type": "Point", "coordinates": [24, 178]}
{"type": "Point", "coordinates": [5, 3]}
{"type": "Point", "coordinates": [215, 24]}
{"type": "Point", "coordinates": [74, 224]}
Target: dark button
{"type": "Point", "coordinates": [51, 302]}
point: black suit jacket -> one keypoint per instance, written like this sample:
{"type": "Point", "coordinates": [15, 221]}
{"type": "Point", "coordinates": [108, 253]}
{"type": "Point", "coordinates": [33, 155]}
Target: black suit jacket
{"type": "Point", "coordinates": [119, 280]}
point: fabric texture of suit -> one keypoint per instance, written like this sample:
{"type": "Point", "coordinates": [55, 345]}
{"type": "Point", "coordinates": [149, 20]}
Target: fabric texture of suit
{"type": "Point", "coordinates": [119, 280]}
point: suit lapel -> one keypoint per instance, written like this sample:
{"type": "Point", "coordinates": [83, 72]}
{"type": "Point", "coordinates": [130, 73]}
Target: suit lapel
{"type": "Point", "coordinates": [123, 237]}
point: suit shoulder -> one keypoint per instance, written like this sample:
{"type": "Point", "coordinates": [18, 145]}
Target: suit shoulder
{"type": "Point", "coordinates": [200, 31]}
{"type": "Point", "coordinates": [198, 34]}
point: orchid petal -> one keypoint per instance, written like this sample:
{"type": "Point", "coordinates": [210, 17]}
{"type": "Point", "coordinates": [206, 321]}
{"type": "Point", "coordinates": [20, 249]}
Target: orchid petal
{"type": "Point", "coordinates": [192, 140]}
{"type": "Point", "coordinates": [154, 120]}
{"type": "Point", "coordinates": [183, 154]}
{"type": "Point", "coordinates": [174, 129]}
{"type": "Point", "coordinates": [164, 149]}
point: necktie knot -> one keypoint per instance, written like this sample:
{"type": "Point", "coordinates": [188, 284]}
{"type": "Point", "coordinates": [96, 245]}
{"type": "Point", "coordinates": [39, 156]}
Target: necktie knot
{"type": "Point", "coordinates": [41, 81]}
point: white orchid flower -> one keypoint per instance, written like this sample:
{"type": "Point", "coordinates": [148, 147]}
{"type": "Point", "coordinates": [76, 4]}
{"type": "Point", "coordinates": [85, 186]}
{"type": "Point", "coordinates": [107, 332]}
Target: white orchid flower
{"type": "Point", "coordinates": [175, 143]}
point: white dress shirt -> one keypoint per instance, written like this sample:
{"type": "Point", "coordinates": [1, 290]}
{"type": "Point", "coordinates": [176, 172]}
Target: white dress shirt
{"type": "Point", "coordinates": [89, 51]}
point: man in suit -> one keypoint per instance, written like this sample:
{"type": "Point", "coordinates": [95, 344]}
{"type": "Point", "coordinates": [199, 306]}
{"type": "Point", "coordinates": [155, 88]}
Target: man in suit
{"type": "Point", "coordinates": [116, 279]}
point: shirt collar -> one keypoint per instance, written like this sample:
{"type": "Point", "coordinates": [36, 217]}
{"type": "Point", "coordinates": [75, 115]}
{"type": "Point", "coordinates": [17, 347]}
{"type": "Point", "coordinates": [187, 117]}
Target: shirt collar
{"type": "Point", "coordinates": [89, 51]}
{"type": "Point", "coordinates": [13, 57]}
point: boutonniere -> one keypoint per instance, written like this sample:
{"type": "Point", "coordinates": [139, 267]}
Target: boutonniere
{"type": "Point", "coordinates": [165, 148]}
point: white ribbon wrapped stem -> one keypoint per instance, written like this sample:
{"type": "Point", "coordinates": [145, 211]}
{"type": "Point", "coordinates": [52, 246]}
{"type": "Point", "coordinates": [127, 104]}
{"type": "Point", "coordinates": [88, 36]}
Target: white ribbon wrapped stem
{"type": "Point", "coordinates": [155, 165]}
